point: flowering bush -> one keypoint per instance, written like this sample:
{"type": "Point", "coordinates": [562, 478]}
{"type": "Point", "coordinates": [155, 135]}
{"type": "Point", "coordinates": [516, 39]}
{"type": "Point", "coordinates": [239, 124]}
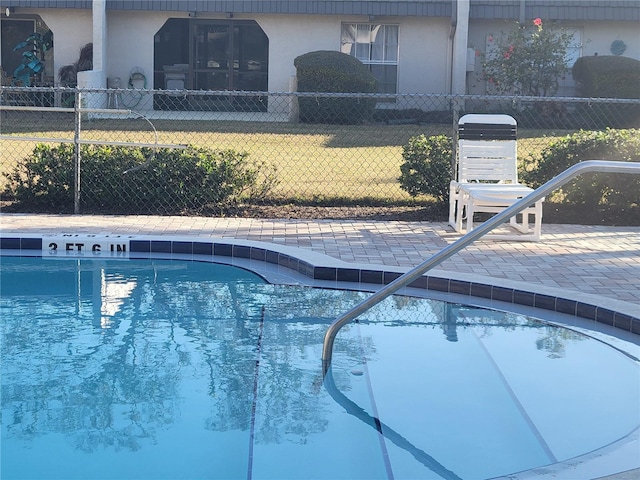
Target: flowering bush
{"type": "Point", "coordinates": [527, 61]}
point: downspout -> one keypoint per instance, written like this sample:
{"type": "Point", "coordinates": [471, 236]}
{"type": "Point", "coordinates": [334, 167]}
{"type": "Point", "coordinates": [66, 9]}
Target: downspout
{"type": "Point", "coordinates": [452, 34]}
{"type": "Point", "coordinates": [459, 34]}
{"type": "Point", "coordinates": [450, 61]}
{"type": "Point", "coordinates": [460, 43]}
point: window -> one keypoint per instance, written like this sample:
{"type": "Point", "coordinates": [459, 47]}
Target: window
{"type": "Point", "coordinates": [566, 84]}
{"type": "Point", "coordinates": [14, 32]}
{"type": "Point", "coordinates": [377, 47]}
{"type": "Point", "coordinates": [574, 49]}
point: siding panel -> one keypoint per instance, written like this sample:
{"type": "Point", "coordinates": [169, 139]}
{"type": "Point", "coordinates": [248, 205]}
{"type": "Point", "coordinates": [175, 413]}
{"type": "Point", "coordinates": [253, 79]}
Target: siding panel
{"type": "Point", "coordinates": [628, 10]}
{"type": "Point", "coordinates": [321, 7]}
{"type": "Point", "coordinates": [557, 10]}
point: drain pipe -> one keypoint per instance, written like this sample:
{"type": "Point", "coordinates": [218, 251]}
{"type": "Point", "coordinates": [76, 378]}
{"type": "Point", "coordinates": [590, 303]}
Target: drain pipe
{"type": "Point", "coordinates": [459, 55]}
{"type": "Point", "coordinates": [452, 33]}
{"type": "Point", "coordinates": [603, 166]}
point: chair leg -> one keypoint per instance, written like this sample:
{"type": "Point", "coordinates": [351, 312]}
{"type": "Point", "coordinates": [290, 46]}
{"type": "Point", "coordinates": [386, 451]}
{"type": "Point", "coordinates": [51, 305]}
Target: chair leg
{"type": "Point", "coordinates": [532, 230]}
{"type": "Point", "coordinates": [513, 221]}
{"type": "Point", "coordinates": [529, 228]}
{"type": "Point", "coordinates": [457, 202]}
{"type": "Point", "coordinates": [463, 200]}
{"type": "Point", "coordinates": [452, 211]}
{"type": "Point", "coordinates": [537, 225]}
{"type": "Point", "coordinates": [454, 206]}
{"type": "Point", "coordinates": [470, 213]}
{"type": "Point", "coordinates": [523, 225]}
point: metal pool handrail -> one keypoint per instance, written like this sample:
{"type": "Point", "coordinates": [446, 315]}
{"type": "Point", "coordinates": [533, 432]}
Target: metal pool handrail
{"type": "Point", "coordinates": [603, 166]}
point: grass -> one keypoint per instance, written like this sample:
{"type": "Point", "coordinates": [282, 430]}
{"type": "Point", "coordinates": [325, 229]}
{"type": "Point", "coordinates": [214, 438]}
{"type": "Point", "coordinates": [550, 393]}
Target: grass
{"type": "Point", "coordinates": [314, 163]}
{"type": "Point", "coordinates": [323, 165]}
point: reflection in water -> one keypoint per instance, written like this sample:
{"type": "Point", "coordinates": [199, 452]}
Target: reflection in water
{"type": "Point", "coordinates": [157, 356]}
{"type": "Point", "coordinates": [113, 293]}
{"type": "Point", "coordinates": [118, 349]}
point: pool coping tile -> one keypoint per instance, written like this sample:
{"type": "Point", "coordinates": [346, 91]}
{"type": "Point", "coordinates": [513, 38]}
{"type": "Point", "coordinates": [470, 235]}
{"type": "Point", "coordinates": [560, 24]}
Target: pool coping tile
{"type": "Point", "coordinates": [312, 269]}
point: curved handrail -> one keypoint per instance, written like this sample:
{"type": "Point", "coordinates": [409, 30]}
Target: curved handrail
{"type": "Point", "coordinates": [604, 166]}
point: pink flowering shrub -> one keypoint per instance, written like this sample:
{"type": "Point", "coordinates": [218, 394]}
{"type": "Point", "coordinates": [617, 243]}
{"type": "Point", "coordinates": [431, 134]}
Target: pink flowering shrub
{"type": "Point", "coordinates": [527, 60]}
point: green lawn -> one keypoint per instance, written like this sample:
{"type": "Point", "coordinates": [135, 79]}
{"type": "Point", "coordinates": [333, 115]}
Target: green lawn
{"type": "Point", "coordinates": [313, 162]}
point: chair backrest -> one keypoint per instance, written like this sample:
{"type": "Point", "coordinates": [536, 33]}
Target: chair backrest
{"type": "Point", "coordinates": [487, 149]}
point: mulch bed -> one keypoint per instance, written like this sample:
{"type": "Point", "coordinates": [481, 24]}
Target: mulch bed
{"type": "Point", "coordinates": [553, 213]}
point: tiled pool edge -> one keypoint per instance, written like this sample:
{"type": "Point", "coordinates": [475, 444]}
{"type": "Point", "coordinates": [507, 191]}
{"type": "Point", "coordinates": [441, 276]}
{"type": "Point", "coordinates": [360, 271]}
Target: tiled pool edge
{"type": "Point", "coordinates": [141, 247]}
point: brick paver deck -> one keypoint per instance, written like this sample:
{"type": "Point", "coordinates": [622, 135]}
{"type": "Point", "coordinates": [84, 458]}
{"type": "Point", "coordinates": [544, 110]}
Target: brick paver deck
{"type": "Point", "coordinates": [595, 260]}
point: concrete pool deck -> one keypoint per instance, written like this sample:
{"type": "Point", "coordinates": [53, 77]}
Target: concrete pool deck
{"type": "Point", "coordinates": [597, 261]}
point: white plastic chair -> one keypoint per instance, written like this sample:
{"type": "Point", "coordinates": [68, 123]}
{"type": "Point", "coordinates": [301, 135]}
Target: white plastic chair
{"type": "Point", "coordinates": [487, 177]}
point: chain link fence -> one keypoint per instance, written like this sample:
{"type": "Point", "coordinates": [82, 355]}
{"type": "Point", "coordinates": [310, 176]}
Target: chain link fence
{"type": "Point", "coordinates": [178, 152]}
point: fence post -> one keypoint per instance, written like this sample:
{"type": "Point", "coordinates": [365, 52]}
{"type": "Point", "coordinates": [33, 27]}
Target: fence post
{"type": "Point", "coordinates": [76, 143]}
{"type": "Point", "coordinates": [458, 105]}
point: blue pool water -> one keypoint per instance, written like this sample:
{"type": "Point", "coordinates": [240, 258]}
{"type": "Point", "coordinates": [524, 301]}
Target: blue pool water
{"type": "Point", "coordinates": [157, 369]}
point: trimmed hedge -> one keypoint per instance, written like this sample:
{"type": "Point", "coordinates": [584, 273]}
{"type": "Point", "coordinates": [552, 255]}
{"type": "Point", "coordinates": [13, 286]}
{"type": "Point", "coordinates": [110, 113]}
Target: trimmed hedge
{"type": "Point", "coordinates": [118, 179]}
{"type": "Point", "coordinates": [334, 72]}
{"type": "Point", "coordinates": [607, 76]}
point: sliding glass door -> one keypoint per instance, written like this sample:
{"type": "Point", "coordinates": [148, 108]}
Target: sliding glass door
{"type": "Point", "coordinates": [229, 56]}
{"type": "Point", "coordinates": [221, 55]}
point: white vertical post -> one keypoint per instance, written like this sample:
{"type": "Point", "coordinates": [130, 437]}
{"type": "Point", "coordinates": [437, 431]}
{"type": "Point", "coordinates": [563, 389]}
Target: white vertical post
{"type": "Point", "coordinates": [292, 100]}
{"type": "Point", "coordinates": [99, 17]}
{"type": "Point", "coordinates": [460, 44]}
{"type": "Point", "coordinates": [459, 65]}
{"type": "Point", "coordinates": [76, 146]}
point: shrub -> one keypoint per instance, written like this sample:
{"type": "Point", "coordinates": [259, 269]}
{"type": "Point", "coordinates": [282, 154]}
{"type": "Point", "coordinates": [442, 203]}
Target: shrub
{"type": "Point", "coordinates": [607, 76]}
{"type": "Point", "coordinates": [44, 178]}
{"type": "Point", "coordinates": [137, 180]}
{"type": "Point", "coordinates": [610, 76]}
{"type": "Point", "coordinates": [426, 167]}
{"type": "Point", "coordinates": [590, 190]}
{"type": "Point", "coordinates": [335, 72]}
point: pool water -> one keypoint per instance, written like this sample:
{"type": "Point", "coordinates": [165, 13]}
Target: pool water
{"type": "Point", "coordinates": [158, 369]}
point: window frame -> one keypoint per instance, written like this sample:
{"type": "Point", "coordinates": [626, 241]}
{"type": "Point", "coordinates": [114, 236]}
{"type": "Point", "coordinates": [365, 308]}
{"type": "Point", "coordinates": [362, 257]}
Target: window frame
{"type": "Point", "coordinates": [351, 35]}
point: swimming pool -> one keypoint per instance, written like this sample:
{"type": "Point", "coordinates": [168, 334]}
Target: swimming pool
{"type": "Point", "coordinates": [154, 368]}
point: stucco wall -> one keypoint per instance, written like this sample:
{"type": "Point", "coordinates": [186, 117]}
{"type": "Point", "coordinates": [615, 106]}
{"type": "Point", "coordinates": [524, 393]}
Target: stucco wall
{"type": "Point", "coordinates": [420, 69]}
{"type": "Point", "coordinates": [596, 39]}
{"type": "Point", "coordinates": [424, 50]}
{"type": "Point", "coordinates": [423, 43]}
{"type": "Point", "coordinates": [130, 43]}
{"type": "Point", "coordinates": [291, 38]}
{"type": "Point", "coordinates": [71, 30]}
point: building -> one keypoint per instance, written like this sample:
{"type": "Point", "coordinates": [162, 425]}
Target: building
{"type": "Point", "coordinates": [411, 46]}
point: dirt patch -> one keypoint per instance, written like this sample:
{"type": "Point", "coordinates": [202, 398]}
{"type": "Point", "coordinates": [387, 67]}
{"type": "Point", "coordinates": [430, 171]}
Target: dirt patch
{"type": "Point", "coordinates": [307, 212]}
{"type": "Point", "coordinates": [580, 215]}
{"type": "Point", "coordinates": [553, 213]}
